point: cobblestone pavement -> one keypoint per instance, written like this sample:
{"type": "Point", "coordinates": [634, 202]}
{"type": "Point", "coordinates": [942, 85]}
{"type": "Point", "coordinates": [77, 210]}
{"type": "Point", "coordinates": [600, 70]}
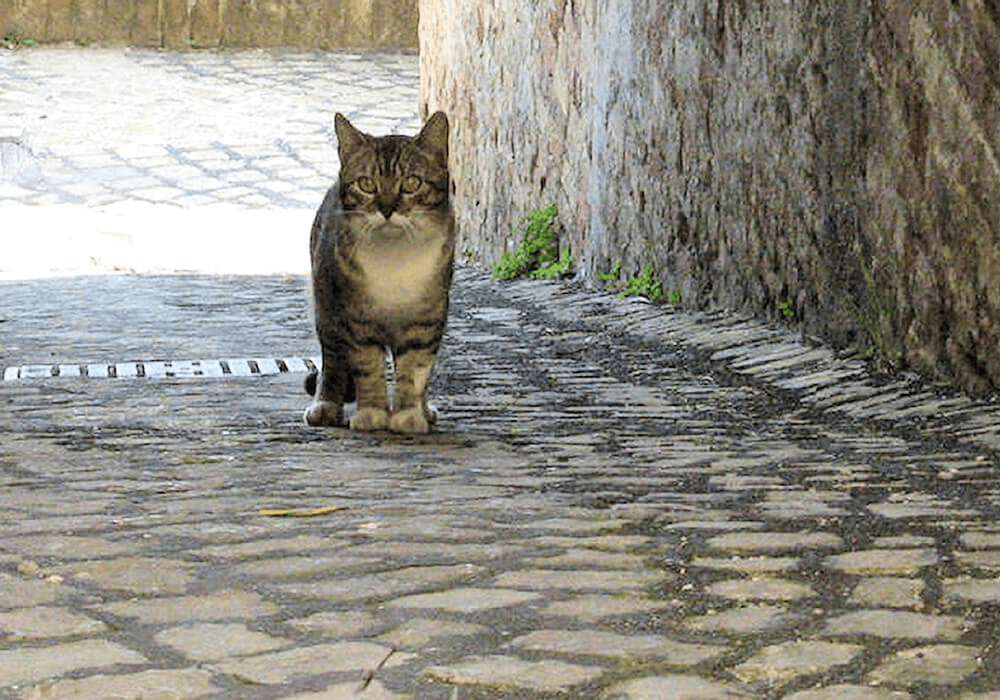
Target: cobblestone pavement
{"type": "Point", "coordinates": [190, 129]}
{"type": "Point", "coordinates": [621, 500]}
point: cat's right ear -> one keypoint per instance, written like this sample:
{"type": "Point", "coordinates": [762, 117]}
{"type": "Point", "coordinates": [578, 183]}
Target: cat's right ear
{"type": "Point", "coordinates": [434, 136]}
{"type": "Point", "coordinates": [349, 139]}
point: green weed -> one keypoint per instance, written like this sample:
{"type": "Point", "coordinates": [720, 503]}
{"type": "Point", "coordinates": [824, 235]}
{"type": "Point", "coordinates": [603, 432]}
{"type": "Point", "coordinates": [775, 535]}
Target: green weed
{"type": "Point", "coordinates": [538, 255]}
{"type": "Point", "coordinates": [785, 307]}
{"type": "Point", "coordinates": [612, 276]}
{"type": "Point", "coordinates": [15, 40]}
{"type": "Point", "coordinates": [642, 286]}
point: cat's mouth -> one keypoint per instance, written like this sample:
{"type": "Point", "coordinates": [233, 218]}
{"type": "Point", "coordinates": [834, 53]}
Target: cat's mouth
{"type": "Point", "coordinates": [392, 231]}
{"type": "Point", "coordinates": [394, 228]}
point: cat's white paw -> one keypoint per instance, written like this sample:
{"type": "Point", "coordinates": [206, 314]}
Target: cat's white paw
{"type": "Point", "coordinates": [324, 413]}
{"type": "Point", "coordinates": [430, 413]}
{"type": "Point", "coordinates": [368, 419]}
{"type": "Point", "coordinates": [411, 420]}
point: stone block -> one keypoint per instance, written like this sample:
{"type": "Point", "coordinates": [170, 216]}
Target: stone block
{"type": "Point", "coordinates": [118, 21]}
{"type": "Point", "coordinates": [937, 664]}
{"type": "Point", "coordinates": [782, 662]}
{"type": "Point", "coordinates": [46, 622]}
{"type": "Point", "coordinates": [281, 666]}
{"type": "Point", "coordinates": [350, 23]}
{"type": "Point", "coordinates": [60, 24]}
{"type": "Point", "coordinates": [27, 20]}
{"type": "Point", "coordinates": [176, 684]}
{"type": "Point", "coordinates": [221, 605]}
{"type": "Point", "coordinates": [394, 23]}
{"type": "Point", "coordinates": [175, 21]}
{"type": "Point", "coordinates": [36, 664]}
{"type": "Point", "coordinates": [508, 672]}
{"type": "Point", "coordinates": [217, 641]}
{"type": "Point", "coordinates": [233, 29]}
{"type": "Point", "coordinates": [146, 25]}
{"type": "Point", "coordinates": [89, 21]}
{"type": "Point", "coordinates": [305, 24]}
{"type": "Point", "coordinates": [267, 22]}
{"type": "Point", "coordinates": [205, 21]}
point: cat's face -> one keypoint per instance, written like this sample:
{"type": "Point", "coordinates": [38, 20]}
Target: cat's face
{"type": "Point", "coordinates": [390, 180]}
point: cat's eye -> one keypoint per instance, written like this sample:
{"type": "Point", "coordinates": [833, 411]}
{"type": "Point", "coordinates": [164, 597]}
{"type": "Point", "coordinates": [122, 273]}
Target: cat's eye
{"type": "Point", "coordinates": [366, 185]}
{"type": "Point", "coordinates": [411, 184]}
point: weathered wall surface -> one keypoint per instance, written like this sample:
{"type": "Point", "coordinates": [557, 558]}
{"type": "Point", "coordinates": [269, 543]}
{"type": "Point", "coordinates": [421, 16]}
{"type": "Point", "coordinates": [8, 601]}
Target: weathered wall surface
{"type": "Point", "coordinates": [306, 24]}
{"type": "Point", "coordinates": [834, 159]}
{"type": "Point", "coordinates": [933, 176]}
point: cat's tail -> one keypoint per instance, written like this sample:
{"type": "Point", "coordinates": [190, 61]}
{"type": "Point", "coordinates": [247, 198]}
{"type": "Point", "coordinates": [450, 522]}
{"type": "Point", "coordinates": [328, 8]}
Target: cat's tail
{"type": "Point", "coordinates": [313, 377]}
{"type": "Point", "coordinates": [310, 383]}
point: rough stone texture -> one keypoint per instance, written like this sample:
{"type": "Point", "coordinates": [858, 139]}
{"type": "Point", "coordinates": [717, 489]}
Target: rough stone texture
{"type": "Point", "coordinates": [889, 592]}
{"type": "Point", "coordinates": [749, 619]}
{"type": "Point", "coordinates": [20, 665]}
{"type": "Point", "coordinates": [43, 622]}
{"type": "Point", "coordinates": [278, 667]}
{"type": "Point", "coordinates": [509, 672]}
{"type": "Point", "coordinates": [942, 664]}
{"type": "Point", "coordinates": [609, 644]}
{"type": "Point", "coordinates": [349, 691]}
{"type": "Point", "coordinates": [212, 642]}
{"type": "Point", "coordinates": [763, 588]}
{"type": "Point", "coordinates": [677, 687]}
{"type": "Point", "coordinates": [180, 684]}
{"type": "Point", "coordinates": [849, 692]}
{"type": "Point", "coordinates": [323, 24]}
{"type": "Point", "coordinates": [788, 660]}
{"type": "Point", "coordinates": [882, 561]}
{"type": "Point", "coordinates": [833, 160]}
{"type": "Point", "coordinates": [896, 624]}
{"type": "Point", "coordinates": [933, 174]}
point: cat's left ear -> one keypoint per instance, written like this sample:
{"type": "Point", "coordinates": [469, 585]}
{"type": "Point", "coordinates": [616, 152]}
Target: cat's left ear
{"type": "Point", "coordinates": [349, 138]}
{"type": "Point", "coordinates": [434, 136]}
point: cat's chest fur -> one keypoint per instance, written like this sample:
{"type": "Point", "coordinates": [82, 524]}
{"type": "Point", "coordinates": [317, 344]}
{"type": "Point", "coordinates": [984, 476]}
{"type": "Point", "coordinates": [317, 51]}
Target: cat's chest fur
{"type": "Point", "coordinates": [400, 265]}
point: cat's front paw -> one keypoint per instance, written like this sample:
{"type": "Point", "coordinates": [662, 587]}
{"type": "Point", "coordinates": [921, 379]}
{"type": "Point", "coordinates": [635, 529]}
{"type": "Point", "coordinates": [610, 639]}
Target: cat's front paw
{"type": "Point", "coordinates": [324, 413]}
{"type": "Point", "coordinates": [411, 421]}
{"type": "Point", "coordinates": [368, 419]}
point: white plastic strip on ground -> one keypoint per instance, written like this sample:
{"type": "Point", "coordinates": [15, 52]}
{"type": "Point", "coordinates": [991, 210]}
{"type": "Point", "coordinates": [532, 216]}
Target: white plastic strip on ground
{"type": "Point", "coordinates": [165, 369]}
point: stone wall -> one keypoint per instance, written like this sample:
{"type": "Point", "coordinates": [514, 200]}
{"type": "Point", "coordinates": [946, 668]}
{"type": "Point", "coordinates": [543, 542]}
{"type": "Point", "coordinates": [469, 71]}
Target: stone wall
{"type": "Point", "coordinates": [829, 163]}
{"type": "Point", "coordinates": [305, 24]}
{"type": "Point", "coordinates": [933, 182]}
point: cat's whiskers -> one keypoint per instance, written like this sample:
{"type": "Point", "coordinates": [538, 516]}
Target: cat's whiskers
{"type": "Point", "coordinates": [399, 228]}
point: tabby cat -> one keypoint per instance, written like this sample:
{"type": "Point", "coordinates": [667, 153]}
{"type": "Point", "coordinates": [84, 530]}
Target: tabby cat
{"type": "Point", "coordinates": [382, 248]}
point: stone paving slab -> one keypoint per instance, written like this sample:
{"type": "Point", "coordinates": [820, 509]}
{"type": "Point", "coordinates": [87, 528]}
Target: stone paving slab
{"type": "Point", "coordinates": [621, 500]}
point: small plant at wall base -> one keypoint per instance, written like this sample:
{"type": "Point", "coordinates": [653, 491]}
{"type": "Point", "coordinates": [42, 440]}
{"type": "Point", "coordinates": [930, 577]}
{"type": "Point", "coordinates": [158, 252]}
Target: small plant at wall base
{"type": "Point", "coordinates": [555, 269]}
{"type": "Point", "coordinates": [610, 278]}
{"type": "Point", "coordinates": [538, 254]}
{"type": "Point", "coordinates": [14, 40]}
{"type": "Point", "coordinates": [785, 307]}
{"type": "Point", "coordinates": [641, 286]}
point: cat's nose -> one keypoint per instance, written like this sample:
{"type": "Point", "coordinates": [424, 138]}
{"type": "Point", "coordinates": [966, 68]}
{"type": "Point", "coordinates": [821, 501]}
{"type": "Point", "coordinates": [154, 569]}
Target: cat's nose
{"type": "Point", "coordinates": [386, 204]}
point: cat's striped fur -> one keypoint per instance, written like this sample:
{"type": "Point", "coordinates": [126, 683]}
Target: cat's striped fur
{"type": "Point", "coordinates": [382, 249]}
